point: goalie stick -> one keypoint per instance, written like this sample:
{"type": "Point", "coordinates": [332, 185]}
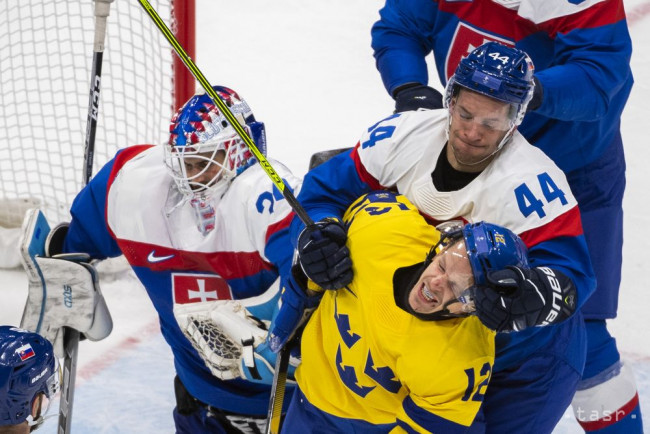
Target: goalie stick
{"type": "Point", "coordinates": [71, 336]}
{"type": "Point", "coordinates": [282, 362]}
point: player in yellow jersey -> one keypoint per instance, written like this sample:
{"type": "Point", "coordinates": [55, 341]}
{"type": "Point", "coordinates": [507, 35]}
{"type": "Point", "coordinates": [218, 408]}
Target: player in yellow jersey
{"type": "Point", "coordinates": [397, 350]}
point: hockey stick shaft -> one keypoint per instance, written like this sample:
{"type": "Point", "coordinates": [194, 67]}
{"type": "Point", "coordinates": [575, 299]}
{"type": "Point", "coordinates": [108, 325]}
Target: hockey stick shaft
{"type": "Point", "coordinates": [268, 168]}
{"type": "Point", "coordinates": [277, 392]}
{"type": "Point", "coordinates": [71, 336]}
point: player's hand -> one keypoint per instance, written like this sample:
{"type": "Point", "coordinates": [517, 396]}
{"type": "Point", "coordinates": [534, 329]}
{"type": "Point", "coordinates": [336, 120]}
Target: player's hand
{"type": "Point", "coordinates": [517, 298]}
{"type": "Point", "coordinates": [414, 96]}
{"type": "Point", "coordinates": [323, 256]}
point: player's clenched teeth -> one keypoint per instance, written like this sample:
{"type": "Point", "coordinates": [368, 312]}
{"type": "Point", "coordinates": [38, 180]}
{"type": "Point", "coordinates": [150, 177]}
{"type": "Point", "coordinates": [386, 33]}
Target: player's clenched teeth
{"type": "Point", "coordinates": [427, 294]}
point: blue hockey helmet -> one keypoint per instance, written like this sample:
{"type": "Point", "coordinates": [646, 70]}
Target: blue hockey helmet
{"type": "Point", "coordinates": [490, 248]}
{"type": "Point", "coordinates": [28, 368]}
{"type": "Point", "coordinates": [497, 71]}
{"type": "Point", "coordinates": [199, 130]}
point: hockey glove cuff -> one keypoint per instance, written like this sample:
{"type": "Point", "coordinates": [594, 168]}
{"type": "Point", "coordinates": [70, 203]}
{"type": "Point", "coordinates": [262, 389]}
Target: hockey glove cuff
{"type": "Point", "coordinates": [518, 298]}
{"type": "Point", "coordinates": [414, 96]}
{"type": "Point", "coordinates": [298, 303]}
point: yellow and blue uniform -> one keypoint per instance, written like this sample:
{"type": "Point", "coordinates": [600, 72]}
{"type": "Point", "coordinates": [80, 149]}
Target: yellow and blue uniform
{"type": "Point", "coordinates": [367, 362]}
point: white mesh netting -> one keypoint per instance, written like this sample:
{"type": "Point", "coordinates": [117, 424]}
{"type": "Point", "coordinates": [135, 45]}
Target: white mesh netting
{"type": "Point", "coordinates": [46, 51]}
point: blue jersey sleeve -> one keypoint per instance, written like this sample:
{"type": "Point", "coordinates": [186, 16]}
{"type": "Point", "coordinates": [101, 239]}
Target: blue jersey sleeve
{"type": "Point", "coordinates": [279, 250]}
{"type": "Point", "coordinates": [401, 39]}
{"type": "Point", "coordinates": [589, 73]}
{"type": "Point", "coordinates": [88, 230]}
{"type": "Point", "coordinates": [328, 190]}
{"type": "Point", "coordinates": [571, 256]}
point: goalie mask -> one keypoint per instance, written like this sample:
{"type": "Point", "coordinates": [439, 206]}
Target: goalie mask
{"type": "Point", "coordinates": [464, 256]}
{"type": "Point", "coordinates": [499, 72]}
{"type": "Point", "coordinates": [28, 369]}
{"type": "Point", "coordinates": [205, 153]}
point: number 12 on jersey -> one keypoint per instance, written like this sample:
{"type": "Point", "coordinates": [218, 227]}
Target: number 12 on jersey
{"type": "Point", "coordinates": [483, 377]}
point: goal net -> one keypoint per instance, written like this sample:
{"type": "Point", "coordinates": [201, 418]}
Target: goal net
{"type": "Point", "coordinates": [46, 51]}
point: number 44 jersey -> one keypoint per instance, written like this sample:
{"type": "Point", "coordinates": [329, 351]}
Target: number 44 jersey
{"type": "Point", "coordinates": [521, 189]}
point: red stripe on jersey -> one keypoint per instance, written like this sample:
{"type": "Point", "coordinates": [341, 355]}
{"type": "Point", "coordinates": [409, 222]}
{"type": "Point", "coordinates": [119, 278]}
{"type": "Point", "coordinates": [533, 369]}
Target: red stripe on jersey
{"type": "Point", "coordinates": [282, 224]}
{"type": "Point", "coordinates": [229, 265]}
{"type": "Point", "coordinates": [490, 17]}
{"type": "Point", "coordinates": [566, 225]}
{"type": "Point", "coordinates": [598, 15]}
{"type": "Point", "coordinates": [495, 22]}
{"type": "Point", "coordinates": [611, 418]}
{"type": "Point", "coordinates": [362, 172]}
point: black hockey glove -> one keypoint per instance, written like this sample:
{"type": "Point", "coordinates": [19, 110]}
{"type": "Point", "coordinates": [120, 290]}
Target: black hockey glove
{"type": "Point", "coordinates": [413, 96]}
{"type": "Point", "coordinates": [517, 298]}
{"type": "Point", "coordinates": [323, 255]}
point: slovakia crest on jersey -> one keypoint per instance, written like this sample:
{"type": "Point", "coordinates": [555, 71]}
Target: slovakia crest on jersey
{"type": "Point", "coordinates": [192, 288]}
{"type": "Point", "coordinates": [465, 40]}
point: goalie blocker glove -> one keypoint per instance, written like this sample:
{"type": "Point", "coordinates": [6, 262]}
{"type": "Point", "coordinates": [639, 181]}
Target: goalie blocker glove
{"type": "Point", "coordinates": [63, 289]}
{"type": "Point", "coordinates": [323, 255]}
{"type": "Point", "coordinates": [517, 298]}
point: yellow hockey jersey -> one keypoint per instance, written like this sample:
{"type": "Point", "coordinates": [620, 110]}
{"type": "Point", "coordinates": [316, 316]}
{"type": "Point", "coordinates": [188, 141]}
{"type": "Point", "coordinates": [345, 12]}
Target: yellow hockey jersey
{"type": "Point", "coordinates": [365, 358]}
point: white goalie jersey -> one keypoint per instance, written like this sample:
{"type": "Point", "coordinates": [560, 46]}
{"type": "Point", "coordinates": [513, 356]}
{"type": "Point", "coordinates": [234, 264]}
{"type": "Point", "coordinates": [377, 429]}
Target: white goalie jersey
{"type": "Point", "coordinates": [218, 251]}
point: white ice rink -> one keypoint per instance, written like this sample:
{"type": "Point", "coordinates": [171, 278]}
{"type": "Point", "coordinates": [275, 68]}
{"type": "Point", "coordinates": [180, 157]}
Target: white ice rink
{"type": "Point", "coordinates": [306, 69]}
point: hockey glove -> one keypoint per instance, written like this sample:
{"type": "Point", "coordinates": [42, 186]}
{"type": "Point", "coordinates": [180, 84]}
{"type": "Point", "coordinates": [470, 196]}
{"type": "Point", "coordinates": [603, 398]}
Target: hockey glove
{"type": "Point", "coordinates": [323, 255]}
{"type": "Point", "coordinates": [517, 298]}
{"type": "Point", "coordinates": [63, 290]}
{"type": "Point", "coordinates": [413, 96]}
{"type": "Point", "coordinates": [298, 303]}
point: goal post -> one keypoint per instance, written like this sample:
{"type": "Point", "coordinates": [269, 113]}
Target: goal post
{"type": "Point", "coordinates": [46, 51]}
{"type": "Point", "coordinates": [183, 24]}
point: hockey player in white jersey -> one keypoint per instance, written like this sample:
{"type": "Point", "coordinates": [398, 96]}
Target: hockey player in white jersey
{"type": "Point", "coordinates": [468, 161]}
{"type": "Point", "coordinates": [206, 233]}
